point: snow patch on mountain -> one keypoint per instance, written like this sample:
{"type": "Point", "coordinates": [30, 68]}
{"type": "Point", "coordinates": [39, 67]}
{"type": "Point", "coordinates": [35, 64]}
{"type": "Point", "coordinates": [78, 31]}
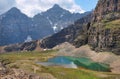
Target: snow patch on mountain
{"type": "Point", "coordinates": [29, 38]}
{"type": "Point", "coordinates": [62, 28]}
{"type": "Point", "coordinates": [55, 28]}
{"type": "Point", "coordinates": [62, 15]}
{"type": "Point", "coordinates": [50, 21]}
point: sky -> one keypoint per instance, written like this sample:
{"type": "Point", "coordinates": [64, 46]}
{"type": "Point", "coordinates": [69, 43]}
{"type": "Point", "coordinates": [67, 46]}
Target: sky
{"type": "Point", "coordinates": [87, 5]}
{"type": "Point", "coordinates": [32, 7]}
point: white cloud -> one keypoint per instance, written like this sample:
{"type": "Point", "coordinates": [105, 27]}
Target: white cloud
{"type": "Point", "coordinates": [6, 5]}
{"type": "Point", "coordinates": [32, 7]}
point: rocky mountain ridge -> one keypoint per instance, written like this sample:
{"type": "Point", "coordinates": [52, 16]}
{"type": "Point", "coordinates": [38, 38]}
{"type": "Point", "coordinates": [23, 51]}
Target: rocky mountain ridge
{"type": "Point", "coordinates": [15, 26]}
{"type": "Point", "coordinates": [72, 34]}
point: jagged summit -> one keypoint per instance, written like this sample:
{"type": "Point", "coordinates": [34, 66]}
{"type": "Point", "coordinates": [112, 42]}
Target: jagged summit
{"type": "Point", "coordinates": [56, 6]}
{"type": "Point", "coordinates": [14, 10]}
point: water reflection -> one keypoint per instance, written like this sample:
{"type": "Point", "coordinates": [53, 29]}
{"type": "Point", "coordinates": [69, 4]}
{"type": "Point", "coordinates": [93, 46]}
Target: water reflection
{"type": "Point", "coordinates": [59, 61]}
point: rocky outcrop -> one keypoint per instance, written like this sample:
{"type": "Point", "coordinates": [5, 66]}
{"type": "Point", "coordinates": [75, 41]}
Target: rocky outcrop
{"type": "Point", "coordinates": [105, 39]}
{"type": "Point", "coordinates": [27, 46]}
{"type": "Point", "coordinates": [14, 73]}
{"type": "Point", "coordinates": [104, 32]}
{"type": "Point", "coordinates": [105, 7]}
{"type": "Point", "coordinates": [21, 74]}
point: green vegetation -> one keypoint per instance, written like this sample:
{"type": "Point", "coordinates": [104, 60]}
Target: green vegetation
{"type": "Point", "coordinates": [27, 61]}
{"type": "Point", "coordinates": [108, 24]}
{"type": "Point", "coordinates": [113, 24]}
{"type": "Point", "coordinates": [64, 73]}
{"type": "Point", "coordinates": [42, 56]}
{"type": "Point", "coordinates": [89, 64]}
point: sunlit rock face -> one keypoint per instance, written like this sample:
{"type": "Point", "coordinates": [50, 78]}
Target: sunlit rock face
{"type": "Point", "coordinates": [104, 32]}
{"type": "Point", "coordinates": [105, 7]}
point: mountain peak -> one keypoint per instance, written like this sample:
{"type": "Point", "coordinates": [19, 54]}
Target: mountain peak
{"type": "Point", "coordinates": [57, 9]}
{"type": "Point", "coordinates": [14, 9]}
{"type": "Point", "coordinates": [56, 6]}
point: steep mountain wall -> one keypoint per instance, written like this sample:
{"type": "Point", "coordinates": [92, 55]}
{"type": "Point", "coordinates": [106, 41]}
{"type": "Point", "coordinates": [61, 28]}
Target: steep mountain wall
{"type": "Point", "coordinates": [107, 9]}
{"type": "Point", "coordinates": [104, 32]}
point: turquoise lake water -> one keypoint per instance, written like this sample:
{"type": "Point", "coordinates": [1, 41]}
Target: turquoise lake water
{"type": "Point", "coordinates": [73, 62]}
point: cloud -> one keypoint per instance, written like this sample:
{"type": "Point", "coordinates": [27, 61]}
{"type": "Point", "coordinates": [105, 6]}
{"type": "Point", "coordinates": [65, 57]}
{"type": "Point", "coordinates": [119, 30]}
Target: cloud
{"type": "Point", "coordinates": [32, 7]}
{"type": "Point", "coordinates": [6, 5]}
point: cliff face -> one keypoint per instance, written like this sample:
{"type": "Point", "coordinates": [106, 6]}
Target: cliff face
{"type": "Point", "coordinates": [105, 7]}
{"type": "Point", "coordinates": [105, 39]}
{"type": "Point", "coordinates": [104, 32]}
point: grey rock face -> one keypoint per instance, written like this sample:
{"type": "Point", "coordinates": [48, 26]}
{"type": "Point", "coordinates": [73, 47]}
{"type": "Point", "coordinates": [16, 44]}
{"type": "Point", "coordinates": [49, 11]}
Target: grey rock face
{"type": "Point", "coordinates": [75, 34]}
{"type": "Point", "coordinates": [15, 26]}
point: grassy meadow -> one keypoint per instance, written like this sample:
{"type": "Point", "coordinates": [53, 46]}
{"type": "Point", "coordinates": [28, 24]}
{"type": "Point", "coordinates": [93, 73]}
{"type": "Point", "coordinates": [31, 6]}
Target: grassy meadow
{"type": "Point", "coordinates": [27, 61]}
